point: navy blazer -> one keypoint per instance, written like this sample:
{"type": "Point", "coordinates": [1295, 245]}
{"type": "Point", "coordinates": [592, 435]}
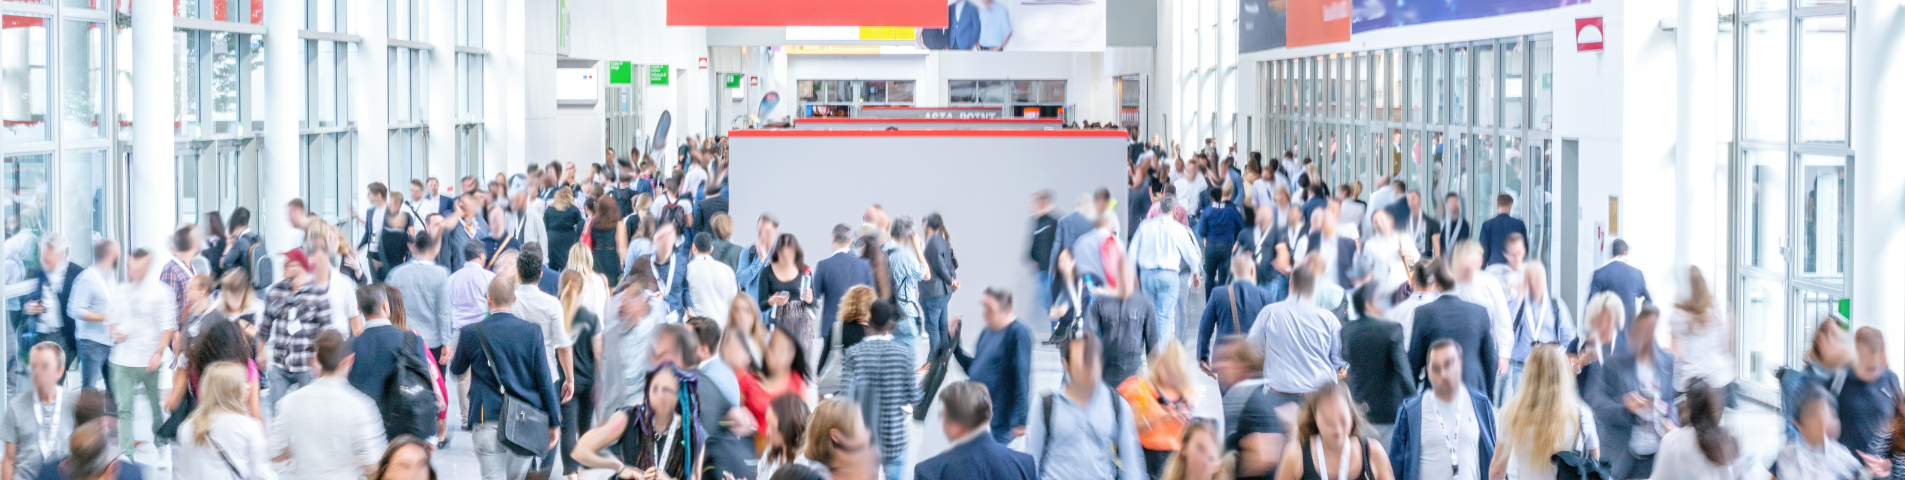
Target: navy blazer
{"type": "Point", "coordinates": [68, 327]}
{"type": "Point", "coordinates": [1218, 321]}
{"type": "Point", "coordinates": [833, 276]}
{"type": "Point", "coordinates": [1378, 366]}
{"type": "Point", "coordinates": [1494, 239]}
{"type": "Point", "coordinates": [376, 352]}
{"type": "Point", "coordinates": [1617, 376]}
{"type": "Point", "coordinates": [450, 256]}
{"type": "Point", "coordinates": [962, 26]}
{"type": "Point", "coordinates": [1070, 227]}
{"type": "Point", "coordinates": [518, 347]}
{"type": "Point", "coordinates": [1451, 235]}
{"type": "Point", "coordinates": [1266, 254]}
{"type": "Point", "coordinates": [1405, 444]}
{"type": "Point", "coordinates": [981, 458]}
{"type": "Point", "coordinates": [1465, 323]}
{"type": "Point", "coordinates": [1626, 282]}
{"type": "Point", "coordinates": [676, 271]}
{"type": "Point", "coordinates": [445, 205]}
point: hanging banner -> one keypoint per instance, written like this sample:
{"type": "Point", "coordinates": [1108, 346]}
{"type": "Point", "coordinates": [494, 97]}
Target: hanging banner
{"type": "Point", "coordinates": [1316, 22]}
{"type": "Point", "coordinates": [1380, 15]}
{"type": "Point", "coordinates": [1261, 24]}
{"type": "Point", "coordinates": [807, 13]}
{"type": "Point", "coordinates": [1020, 26]}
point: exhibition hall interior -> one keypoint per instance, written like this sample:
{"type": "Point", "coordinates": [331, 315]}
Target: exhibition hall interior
{"type": "Point", "coordinates": [987, 239]}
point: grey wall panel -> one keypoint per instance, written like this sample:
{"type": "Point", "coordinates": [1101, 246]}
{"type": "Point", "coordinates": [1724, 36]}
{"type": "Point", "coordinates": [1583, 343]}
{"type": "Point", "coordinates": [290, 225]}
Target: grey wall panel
{"type": "Point", "coordinates": [1131, 23]}
{"type": "Point", "coordinates": [981, 185]}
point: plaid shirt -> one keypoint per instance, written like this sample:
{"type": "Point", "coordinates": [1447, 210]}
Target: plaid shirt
{"type": "Point", "coordinates": [176, 275]}
{"type": "Point", "coordinates": [292, 323]}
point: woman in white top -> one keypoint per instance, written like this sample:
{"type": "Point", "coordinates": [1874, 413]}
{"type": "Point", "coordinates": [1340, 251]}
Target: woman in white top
{"type": "Point", "coordinates": [1702, 337]}
{"type": "Point", "coordinates": [1545, 416]}
{"type": "Point", "coordinates": [1704, 450]}
{"type": "Point", "coordinates": [1387, 258]}
{"type": "Point", "coordinates": [595, 287]}
{"type": "Point", "coordinates": [220, 440]}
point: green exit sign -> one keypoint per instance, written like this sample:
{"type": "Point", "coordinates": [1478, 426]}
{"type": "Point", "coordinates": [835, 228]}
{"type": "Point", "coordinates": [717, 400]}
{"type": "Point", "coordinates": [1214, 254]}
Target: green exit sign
{"type": "Point", "coordinates": [657, 74]}
{"type": "Point", "coordinates": [621, 73]}
{"type": "Point", "coordinates": [733, 79]}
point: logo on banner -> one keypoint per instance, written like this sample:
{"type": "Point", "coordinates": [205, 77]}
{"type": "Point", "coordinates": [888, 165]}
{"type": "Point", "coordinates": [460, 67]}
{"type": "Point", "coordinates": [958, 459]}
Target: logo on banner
{"type": "Point", "coordinates": [1588, 36]}
{"type": "Point", "coordinates": [1316, 22]}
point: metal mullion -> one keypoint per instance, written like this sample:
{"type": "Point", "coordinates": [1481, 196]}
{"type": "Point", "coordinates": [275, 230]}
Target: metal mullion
{"type": "Point", "coordinates": [1821, 11]}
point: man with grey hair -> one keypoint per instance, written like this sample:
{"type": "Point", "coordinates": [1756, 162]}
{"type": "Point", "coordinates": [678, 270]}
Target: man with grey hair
{"type": "Point", "coordinates": [1159, 248]}
{"type": "Point", "coordinates": [51, 298]}
{"type": "Point", "coordinates": [974, 453]}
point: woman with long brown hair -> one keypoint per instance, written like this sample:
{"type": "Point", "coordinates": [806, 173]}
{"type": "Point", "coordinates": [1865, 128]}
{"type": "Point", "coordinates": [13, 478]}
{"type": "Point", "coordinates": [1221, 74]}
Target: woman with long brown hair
{"type": "Point", "coordinates": [1702, 337]}
{"type": "Point", "coordinates": [605, 227]}
{"type": "Point", "coordinates": [1703, 450]}
{"type": "Point", "coordinates": [786, 429]}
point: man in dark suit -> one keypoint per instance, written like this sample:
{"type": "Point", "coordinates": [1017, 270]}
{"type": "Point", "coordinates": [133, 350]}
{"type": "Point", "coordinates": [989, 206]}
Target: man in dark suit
{"type": "Point", "coordinates": [1416, 222]}
{"type": "Point", "coordinates": [1465, 323]}
{"type": "Point", "coordinates": [1378, 367]}
{"type": "Point", "coordinates": [235, 254]}
{"type": "Point", "coordinates": [1453, 229]}
{"type": "Point", "coordinates": [1627, 405]}
{"type": "Point", "coordinates": [1496, 230]}
{"type": "Point", "coordinates": [377, 348]}
{"type": "Point", "coordinates": [962, 25]}
{"type": "Point", "coordinates": [504, 351]}
{"type": "Point", "coordinates": [373, 217]}
{"type": "Point", "coordinates": [56, 277]}
{"type": "Point", "coordinates": [1622, 279]}
{"type": "Point", "coordinates": [433, 197]}
{"type": "Point", "coordinates": [1269, 244]}
{"type": "Point", "coordinates": [458, 230]}
{"type": "Point", "coordinates": [1231, 309]}
{"type": "Point", "coordinates": [975, 454]}
{"type": "Point", "coordinates": [837, 273]}
{"type": "Point", "coordinates": [935, 292]}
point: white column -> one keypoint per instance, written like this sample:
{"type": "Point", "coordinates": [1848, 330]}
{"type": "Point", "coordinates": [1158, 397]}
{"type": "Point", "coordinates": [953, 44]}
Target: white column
{"type": "Point", "coordinates": [151, 173]}
{"type": "Point", "coordinates": [284, 86]}
{"type": "Point", "coordinates": [371, 95]}
{"type": "Point", "coordinates": [441, 14]}
{"type": "Point", "coordinates": [1878, 223]}
{"type": "Point", "coordinates": [1694, 126]}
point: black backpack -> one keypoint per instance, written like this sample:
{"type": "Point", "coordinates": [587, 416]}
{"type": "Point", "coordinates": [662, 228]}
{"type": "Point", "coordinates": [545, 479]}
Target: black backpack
{"type": "Point", "coordinates": [409, 402]}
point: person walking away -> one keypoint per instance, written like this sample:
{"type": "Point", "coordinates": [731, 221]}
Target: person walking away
{"type": "Point", "coordinates": [1544, 418]}
{"type": "Point", "coordinates": [1002, 362]}
{"type": "Point", "coordinates": [543, 310]}
{"type": "Point", "coordinates": [176, 272]}
{"type": "Point", "coordinates": [975, 454]}
{"type": "Point", "coordinates": [578, 412]}
{"type": "Point", "coordinates": [1039, 254]}
{"type": "Point", "coordinates": [1072, 293]}
{"type": "Point", "coordinates": [563, 220]}
{"type": "Point", "coordinates": [1084, 430]}
{"type": "Point", "coordinates": [1269, 249]}
{"type": "Point", "coordinates": [1496, 231]}
{"type": "Point", "coordinates": [1125, 322]}
{"type": "Point", "coordinates": [1325, 429]}
{"type": "Point", "coordinates": [942, 279]}
{"type": "Point", "coordinates": [1231, 310]}
{"type": "Point", "coordinates": [1158, 248]}
{"type": "Point", "coordinates": [330, 430]}
{"type": "Point", "coordinates": [1449, 317]}
{"type": "Point", "coordinates": [380, 346]}
{"type": "Point", "coordinates": [908, 266]}
{"type": "Point", "coordinates": [142, 324]}
{"type": "Point", "coordinates": [878, 372]}
{"type": "Point", "coordinates": [1301, 343]}
{"type": "Point", "coordinates": [91, 308]}
{"type": "Point", "coordinates": [295, 311]}
{"type": "Point", "coordinates": [517, 364]}
{"type": "Point", "coordinates": [1448, 431]}
{"type": "Point", "coordinates": [711, 284]}
{"type": "Point", "coordinates": [219, 439]}
{"type": "Point", "coordinates": [1865, 402]}
{"type": "Point", "coordinates": [1702, 337]}
{"type": "Point", "coordinates": [1220, 226]}
{"type": "Point", "coordinates": [1162, 401]}
{"type": "Point", "coordinates": [1379, 365]}
{"type": "Point", "coordinates": [1080, 221]}
{"type": "Point", "coordinates": [601, 234]}
{"type": "Point", "coordinates": [657, 438]}
{"type": "Point", "coordinates": [1704, 450]}
{"type": "Point", "coordinates": [1813, 453]}
{"type": "Point", "coordinates": [1254, 429]}
{"type": "Point", "coordinates": [429, 309]}
{"type": "Point", "coordinates": [1510, 272]}
{"type": "Point", "coordinates": [38, 420]}
{"type": "Point", "coordinates": [1621, 278]}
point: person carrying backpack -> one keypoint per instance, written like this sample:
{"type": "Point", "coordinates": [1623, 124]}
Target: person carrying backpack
{"type": "Point", "coordinates": [1084, 430]}
{"type": "Point", "coordinates": [247, 250]}
{"type": "Point", "coordinates": [393, 367]}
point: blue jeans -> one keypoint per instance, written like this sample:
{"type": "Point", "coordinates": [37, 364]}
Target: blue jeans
{"type": "Point", "coordinates": [1042, 289]}
{"type": "Point", "coordinates": [278, 383]}
{"type": "Point", "coordinates": [895, 467]}
{"type": "Point", "coordinates": [1278, 285]}
{"type": "Point", "coordinates": [92, 363]}
{"type": "Point", "coordinates": [906, 332]}
{"type": "Point", "coordinates": [1161, 286]}
{"type": "Point", "coordinates": [935, 310]}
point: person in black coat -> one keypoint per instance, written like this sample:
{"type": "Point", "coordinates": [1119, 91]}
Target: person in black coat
{"type": "Point", "coordinates": [834, 275]}
{"type": "Point", "coordinates": [242, 239]}
{"type": "Point", "coordinates": [1453, 229]}
{"type": "Point", "coordinates": [1624, 406]}
{"type": "Point", "coordinates": [943, 272]}
{"type": "Point", "coordinates": [1465, 323]}
{"type": "Point", "coordinates": [517, 346]}
{"type": "Point", "coordinates": [1378, 366]}
{"type": "Point", "coordinates": [1495, 231]}
{"type": "Point", "coordinates": [967, 408]}
{"type": "Point", "coordinates": [1624, 280]}
{"type": "Point", "coordinates": [376, 349]}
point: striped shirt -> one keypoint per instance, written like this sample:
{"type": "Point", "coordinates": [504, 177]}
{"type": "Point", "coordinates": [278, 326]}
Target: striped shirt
{"type": "Point", "coordinates": [889, 367]}
{"type": "Point", "coordinates": [292, 323]}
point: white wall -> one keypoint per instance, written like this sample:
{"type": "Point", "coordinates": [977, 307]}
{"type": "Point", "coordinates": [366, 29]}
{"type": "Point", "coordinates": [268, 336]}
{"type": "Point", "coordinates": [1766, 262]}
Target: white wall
{"type": "Point", "coordinates": [632, 31]}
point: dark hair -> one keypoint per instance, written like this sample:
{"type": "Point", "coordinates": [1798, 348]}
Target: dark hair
{"type": "Point", "coordinates": [795, 471]}
{"type": "Point", "coordinates": [220, 341]}
{"type": "Point", "coordinates": [1504, 200]}
{"type": "Point", "coordinates": [1813, 396]}
{"type": "Point", "coordinates": [1618, 248]}
{"type": "Point", "coordinates": [297, 203]}
{"type": "Point", "coordinates": [704, 242]}
{"type": "Point", "coordinates": [214, 225]}
{"type": "Point", "coordinates": [902, 227]}
{"type": "Point", "coordinates": [787, 240]}
{"type": "Point", "coordinates": [1094, 349]}
{"type": "Point", "coordinates": [1000, 295]}
{"type": "Point", "coordinates": [378, 189]}
{"type": "Point", "coordinates": [641, 273]}
{"type": "Point", "coordinates": [1302, 279]}
{"type": "Point", "coordinates": [94, 404]}
{"type": "Point", "coordinates": [799, 365]}
{"type": "Point", "coordinates": [1101, 195]}
{"type": "Point", "coordinates": [791, 412]}
{"type": "Point", "coordinates": [882, 272]}
{"type": "Point", "coordinates": [1364, 298]}
{"type": "Point", "coordinates": [93, 451]}
{"type": "Point", "coordinates": [606, 213]}
{"type": "Point", "coordinates": [397, 319]}
{"type": "Point", "coordinates": [1306, 421]}
{"type": "Point", "coordinates": [423, 241]}
{"type": "Point", "coordinates": [1702, 410]}
{"type": "Point", "coordinates": [1444, 279]}
{"type": "Point", "coordinates": [707, 333]}
{"type": "Point", "coordinates": [473, 251]}
{"type": "Point", "coordinates": [369, 297]}
{"type": "Point", "coordinates": [529, 264]}
{"type": "Point", "coordinates": [103, 247]}
{"type": "Point", "coordinates": [1445, 343]}
{"type": "Point", "coordinates": [397, 444]}
{"type": "Point", "coordinates": [934, 221]}
{"type": "Point", "coordinates": [1419, 273]}
{"type": "Point", "coordinates": [1400, 184]}
{"type": "Point", "coordinates": [331, 349]}
{"type": "Point", "coordinates": [136, 253]}
{"type": "Point", "coordinates": [880, 316]}
{"type": "Point", "coordinates": [967, 403]}
{"type": "Point", "coordinates": [685, 342]}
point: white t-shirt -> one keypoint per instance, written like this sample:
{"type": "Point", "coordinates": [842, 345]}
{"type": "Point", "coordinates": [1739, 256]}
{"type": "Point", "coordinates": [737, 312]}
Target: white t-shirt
{"type": "Point", "coordinates": [545, 311]}
{"type": "Point", "coordinates": [143, 312]}
{"type": "Point", "coordinates": [1444, 423]}
{"type": "Point", "coordinates": [342, 293]}
{"type": "Point", "coordinates": [1523, 468]}
{"type": "Point", "coordinates": [1704, 354]}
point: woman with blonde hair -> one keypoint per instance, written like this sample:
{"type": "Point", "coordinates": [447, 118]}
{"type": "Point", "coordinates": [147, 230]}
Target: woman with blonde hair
{"type": "Point", "coordinates": [595, 287]}
{"type": "Point", "coordinates": [220, 439]}
{"type": "Point", "coordinates": [582, 325]}
{"type": "Point", "coordinates": [839, 443]}
{"type": "Point", "coordinates": [563, 221]}
{"type": "Point", "coordinates": [1325, 426]}
{"type": "Point", "coordinates": [1202, 457]}
{"type": "Point", "coordinates": [742, 316]}
{"type": "Point", "coordinates": [1544, 417]}
{"type": "Point", "coordinates": [1702, 337]}
{"type": "Point", "coordinates": [1605, 314]}
{"type": "Point", "coordinates": [851, 326]}
{"type": "Point", "coordinates": [1163, 399]}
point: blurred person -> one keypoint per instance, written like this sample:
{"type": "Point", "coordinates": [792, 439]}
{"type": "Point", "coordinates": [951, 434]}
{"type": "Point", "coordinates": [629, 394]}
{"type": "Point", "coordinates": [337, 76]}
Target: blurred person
{"type": "Point", "coordinates": [142, 325]}
{"type": "Point", "coordinates": [1511, 272]}
{"type": "Point", "coordinates": [518, 348]}
{"type": "Point", "coordinates": [1545, 417]}
{"type": "Point", "coordinates": [1496, 232]}
{"type": "Point", "coordinates": [1254, 425]}
{"type": "Point", "coordinates": [1301, 343]}
{"type": "Point", "coordinates": [1163, 401]}
{"type": "Point", "coordinates": [1077, 223]}
{"type": "Point", "coordinates": [1704, 450]}
{"type": "Point", "coordinates": [329, 430]}
{"type": "Point", "coordinates": [840, 272]}
{"type": "Point", "coordinates": [1702, 337]}
{"type": "Point", "coordinates": [671, 271]}
{"type": "Point", "coordinates": [1813, 453]}
{"type": "Point", "coordinates": [1538, 317]}
{"type": "Point", "coordinates": [1231, 310]}
{"type": "Point", "coordinates": [1349, 218]}
{"type": "Point", "coordinates": [711, 284]}
{"type": "Point", "coordinates": [785, 429]}
{"type": "Point", "coordinates": [219, 342]}
{"type": "Point", "coordinates": [1125, 321]}
{"type": "Point", "coordinates": [755, 259]}
{"type": "Point", "coordinates": [1092, 247]}
{"type": "Point", "coordinates": [563, 221]}
{"type": "Point", "coordinates": [1386, 256]}
{"type": "Point", "coordinates": [237, 253]}
{"type": "Point", "coordinates": [941, 280]}
{"type": "Point", "coordinates": [1039, 255]}
{"type": "Point", "coordinates": [1422, 290]}
{"type": "Point", "coordinates": [1449, 317]}
{"type": "Point", "coordinates": [1325, 426]}
{"type": "Point", "coordinates": [722, 422]}
{"type": "Point", "coordinates": [1620, 277]}
{"type": "Point", "coordinates": [1084, 430]}
{"type": "Point", "coordinates": [784, 367]}
{"type": "Point", "coordinates": [1865, 402]}
{"type": "Point", "coordinates": [908, 268]}
{"type": "Point", "coordinates": [88, 303]}
{"type": "Point", "coordinates": [967, 415]}
{"type": "Point", "coordinates": [1158, 248]}
{"type": "Point", "coordinates": [430, 310]}
{"type": "Point", "coordinates": [1269, 245]}
{"type": "Point", "coordinates": [1473, 286]}
{"type": "Point", "coordinates": [407, 458]}
{"type": "Point", "coordinates": [786, 281]}
{"type": "Point", "coordinates": [878, 372]}
{"type": "Point", "coordinates": [1632, 395]}
{"type": "Point", "coordinates": [1454, 228]}
{"type": "Point", "coordinates": [1219, 226]}
{"type": "Point", "coordinates": [1448, 428]}
{"type": "Point", "coordinates": [1336, 247]}
{"type": "Point", "coordinates": [1827, 364]}
{"type": "Point", "coordinates": [387, 336]}
{"type": "Point", "coordinates": [212, 246]}
{"type": "Point", "coordinates": [655, 439]}
{"type": "Point", "coordinates": [707, 353]}
{"type": "Point", "coordinates": [295, 311]}
{"type": "Point", "coordinates": [1002, 362]}
{"type": "Point", "coordinates": [235, 302]}
{"type": "Point", "coordinates": [582, 325]}
{"type": "Point", "coordinates": [1071, 293]}
{"type": "Point", "coordinates": [839, 443]}
{"type": "Point", "coordinates": [545, 311]}
{"type": "Point", "coordinates": [1418, 222]}
{"type": "Point", "coordinates": [1379, 365]}
{"type": "Point", "coordinates": [175, 272]}
{"type": "Point", "coordinates": [601, 235]}
{"type": "Point", "coordinates": [219, 438]}
{"type": "Point", "coordinates": [594, 293]}
{"type": "Point", "coordinates": [38, 419]}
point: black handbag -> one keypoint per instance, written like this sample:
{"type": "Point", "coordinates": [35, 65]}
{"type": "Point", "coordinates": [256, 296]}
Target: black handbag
{"type": "Point", "coordinates": [169, 430]}
{"type": "Point", "coordinates": [1576, 464]}
{"type": "Point", "coordinates": [521, 428]}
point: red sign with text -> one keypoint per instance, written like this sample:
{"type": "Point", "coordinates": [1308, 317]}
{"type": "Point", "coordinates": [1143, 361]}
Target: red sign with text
{"type": "Point", "coordinates": [1316, 22]}
{"type": "Point", "coordinates": [808, 13]}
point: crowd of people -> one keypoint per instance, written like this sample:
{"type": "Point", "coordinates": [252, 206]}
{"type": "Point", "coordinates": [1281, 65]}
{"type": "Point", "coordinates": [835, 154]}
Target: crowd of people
{"type": "Point", "coordinates": [605, 319]}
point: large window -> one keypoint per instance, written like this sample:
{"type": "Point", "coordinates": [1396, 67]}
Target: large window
{"type": "Point", "coordinates": [1791, 155]}
{"type": "Point", "coordinates": [1469, 119]}
{"type": "Point", "coordinates": [843, 98]}
{"type": "Point", "coordinates": [470, 58]}
{"type": "Point", "coordinates": [328, 137]}
{"type": "Point", "coordinates": [1024, 98]}
{"type": "Point", "coordinates": [1205, 71]}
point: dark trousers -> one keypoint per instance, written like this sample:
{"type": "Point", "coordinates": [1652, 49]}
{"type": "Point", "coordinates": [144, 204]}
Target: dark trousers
{"type": "Point", "coordinates": [1154, 462]}
{"type": "Point", "coordinates": [578, 415]}
{"type": "Point", "coordinates": [1216, 266]}
{"type": "Point", "coordinates": [935, 313]}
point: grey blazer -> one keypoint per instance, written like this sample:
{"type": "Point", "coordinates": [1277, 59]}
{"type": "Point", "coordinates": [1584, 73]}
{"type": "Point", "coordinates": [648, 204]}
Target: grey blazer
{"type": "Point", "coordinates": [21, 428]}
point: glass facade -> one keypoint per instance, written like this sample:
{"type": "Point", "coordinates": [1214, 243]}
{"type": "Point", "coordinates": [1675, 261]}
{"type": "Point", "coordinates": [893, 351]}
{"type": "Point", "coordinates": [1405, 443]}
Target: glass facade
{"type": "Point", "coordinates": [1024, 98]}
{"type": "Point", "coordinates": [843, 98]}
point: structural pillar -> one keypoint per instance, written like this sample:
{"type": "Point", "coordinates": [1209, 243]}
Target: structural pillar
{"type": "Point", "coordinates": [1696, 227]}
{"type": "Point", "coordinates": [284, 88]}
{"type": "Point", "coordinates": [151, 172]}
{"type": "Point", "coordinates": [1878, 197]}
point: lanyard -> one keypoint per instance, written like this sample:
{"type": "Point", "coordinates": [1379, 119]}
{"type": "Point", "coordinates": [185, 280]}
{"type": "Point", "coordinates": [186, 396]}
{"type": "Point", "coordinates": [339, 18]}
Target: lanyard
{"type": "Point", "coordinates": [1322, 464]}
{"type": "Point", "coordinates": [663, 277]}
{"type": "Point", "coordinates": [42, 418]}
{"type": "Point", "coordinates": [1452, 439]}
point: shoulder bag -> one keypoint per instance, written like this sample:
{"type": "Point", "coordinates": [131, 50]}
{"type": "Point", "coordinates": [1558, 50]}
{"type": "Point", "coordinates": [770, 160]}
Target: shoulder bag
{"type": "Point", "coordinates": [1576, 464]}
{"type": "Point", "coordinates": [830, 373]}
{"type": "Point", "coordinates": [522, 429]}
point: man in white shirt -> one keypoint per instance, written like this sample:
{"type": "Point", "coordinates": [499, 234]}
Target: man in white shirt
{"type": "Point", "coordinates": [1159, 248]}
{"type": "Point", "coordinates": [711, 285]}
{"type": "Point", "coordinates": [142, 324]}
{"type": "Point", "coordinates": [545, 311]}
{"type": "Point", "coordinates": [92, 305]}
{"type": "Point", "coordinates": [1422, 283]}
{"type": "Point", "coordinates": [340, 290]}
{"type": "Point", "coordinates": [328, 430]}
{"type": "Point", "coordinates": [1386, 192]}
{"type": "Point", "coordinates": [1473, 287]}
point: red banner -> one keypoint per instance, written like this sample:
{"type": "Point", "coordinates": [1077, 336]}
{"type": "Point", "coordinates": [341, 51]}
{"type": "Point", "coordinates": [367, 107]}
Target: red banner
{"type": "Point", "coordinates": [1316, 22]}
{"type": "Point", "coordinates": [808, 13]}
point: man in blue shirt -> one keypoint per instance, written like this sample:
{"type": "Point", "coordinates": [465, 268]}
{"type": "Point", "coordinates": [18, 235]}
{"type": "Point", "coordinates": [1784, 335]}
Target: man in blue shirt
{"type": "Point", "coordinates": [995, 25]}
{"type": "Point", "coordinates": [1003, 363]}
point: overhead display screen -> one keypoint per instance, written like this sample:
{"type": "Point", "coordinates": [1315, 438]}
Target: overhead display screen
{"type": "Point", "coordinates": [808, 13]}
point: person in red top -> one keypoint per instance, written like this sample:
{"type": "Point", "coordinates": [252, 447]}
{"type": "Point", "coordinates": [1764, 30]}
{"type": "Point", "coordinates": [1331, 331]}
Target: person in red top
{"type": "Point", "coordinates": [784, 367]}
{"type": "Point", "coordinates": [753, 398]}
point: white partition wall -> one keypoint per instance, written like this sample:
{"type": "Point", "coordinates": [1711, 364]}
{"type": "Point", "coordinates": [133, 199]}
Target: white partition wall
{"type": "Point", "coordinates": [980, 181]}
